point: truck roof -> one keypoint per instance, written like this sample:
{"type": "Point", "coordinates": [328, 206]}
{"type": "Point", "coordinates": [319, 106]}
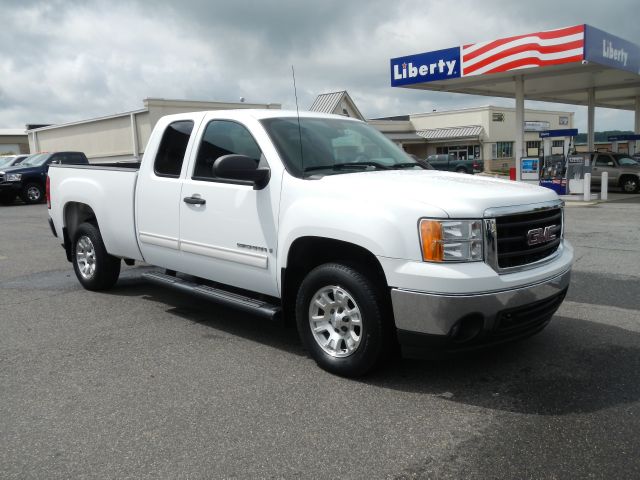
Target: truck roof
{"type": "Point", "coordinates": [260, 114]}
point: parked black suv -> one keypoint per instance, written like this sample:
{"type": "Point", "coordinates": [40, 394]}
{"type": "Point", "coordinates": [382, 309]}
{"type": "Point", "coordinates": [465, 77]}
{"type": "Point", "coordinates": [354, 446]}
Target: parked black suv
{"type": "Point", "coordinates": [27, 180]}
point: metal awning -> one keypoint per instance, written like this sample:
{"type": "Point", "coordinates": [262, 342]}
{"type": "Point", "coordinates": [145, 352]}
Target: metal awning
{"type": "Point", "coordinates": [452, 133]}
{"type": "Point", "coordinates": [559, 66]}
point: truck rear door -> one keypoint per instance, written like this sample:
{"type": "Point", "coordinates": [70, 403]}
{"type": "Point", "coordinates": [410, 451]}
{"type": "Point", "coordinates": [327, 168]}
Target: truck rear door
{"type": "Point", "coordinates": [158, 193]}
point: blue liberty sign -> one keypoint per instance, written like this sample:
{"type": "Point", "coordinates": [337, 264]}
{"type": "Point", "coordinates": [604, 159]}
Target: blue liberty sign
{"type": "Point", "coordinates": [425, 67]}
{"type": "Point", "coordinates": [606, 49]}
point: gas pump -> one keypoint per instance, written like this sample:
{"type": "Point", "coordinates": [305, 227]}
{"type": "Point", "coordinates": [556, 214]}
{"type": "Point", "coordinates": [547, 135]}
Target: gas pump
{"type": "Point", "coordinates": [630, 140]}
{"type": "Point", "coordinates": [554, 172]}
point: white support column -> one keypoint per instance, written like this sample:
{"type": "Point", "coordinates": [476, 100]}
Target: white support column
{"type": "Point", "coordinates": [591, 113]}
{"type": "Point", "coordinates": [519, 144]}
{"type": "Point", "coordinates": [134, 136]}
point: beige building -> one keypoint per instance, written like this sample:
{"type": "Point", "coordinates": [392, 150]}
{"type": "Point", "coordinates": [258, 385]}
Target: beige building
{"type": "Point", "coordinates": [13, 141]}
{"type": "Point", "coordinates": [120, 136]}
{"type": "Point", "coordinates": [485, 133]}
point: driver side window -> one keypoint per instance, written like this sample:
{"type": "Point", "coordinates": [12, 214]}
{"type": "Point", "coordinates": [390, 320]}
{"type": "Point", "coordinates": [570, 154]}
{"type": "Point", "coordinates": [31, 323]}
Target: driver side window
{"type": "Point", "coordinates": [223, 137]}
{"type": "Point", "coordinates": [603, 160]}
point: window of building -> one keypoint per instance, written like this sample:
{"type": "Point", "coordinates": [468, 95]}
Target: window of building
{"type": "Point", "coordinates": [172, 149]}
{"type": "Point", "coordinates": [461, 152]}
{"type": "Point", "coordinates": [502, 150]}
{"type": "Point", "coordinates": [497, 117]}
{"type": "Point", "coordinates": [533, 148]}
{"type": "Point", "coordinates": [557, 143]}
{"type": "Point", "coordinates": [223, 137]}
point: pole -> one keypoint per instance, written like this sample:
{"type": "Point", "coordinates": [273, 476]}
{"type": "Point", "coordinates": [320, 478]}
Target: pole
{"type": "Point", "coordinates": [519, 144]}
{"type": "Point", "coordinates": [587, 187]}
{"type": "Point", "coordinates": [591, 113]}
{"type": "Point", "coordinates": [604, 186]}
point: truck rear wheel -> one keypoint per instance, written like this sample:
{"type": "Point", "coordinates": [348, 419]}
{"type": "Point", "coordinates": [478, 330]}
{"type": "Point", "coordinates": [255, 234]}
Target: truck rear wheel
{"type": "Point", "coordinates": [340, 319]}
{"type": "Point", "coordinates": [95, 268]}
{"type": "Point", "coordinates": [630, 184]}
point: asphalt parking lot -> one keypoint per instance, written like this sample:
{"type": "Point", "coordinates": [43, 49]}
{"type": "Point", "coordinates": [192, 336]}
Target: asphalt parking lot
{"type": "Point", "coordinates": [144, 383]}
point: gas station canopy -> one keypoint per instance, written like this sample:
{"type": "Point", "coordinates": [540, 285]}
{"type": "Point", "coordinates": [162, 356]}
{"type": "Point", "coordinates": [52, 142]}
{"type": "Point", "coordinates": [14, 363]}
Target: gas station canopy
{"type": "Point", "coordinates": [561, 66]}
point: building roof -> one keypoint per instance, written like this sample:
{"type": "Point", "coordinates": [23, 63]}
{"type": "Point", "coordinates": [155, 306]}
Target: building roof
{"type": "Point", "coordinates": [403, 136]}
{"type": "Point", "coordinates": [450, 133]}
{"type": "Point", "coordinates": [12, 132]}
{"type": "Point", "coordinates": [331, 103]}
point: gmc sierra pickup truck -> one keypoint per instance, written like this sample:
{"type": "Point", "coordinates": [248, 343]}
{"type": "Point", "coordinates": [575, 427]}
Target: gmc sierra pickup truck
{"type": "Point", "coordinates": [321, 219]}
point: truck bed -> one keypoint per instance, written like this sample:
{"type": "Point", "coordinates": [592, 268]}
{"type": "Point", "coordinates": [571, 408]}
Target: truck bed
{"type": "Point", "coordinates": [109, 189]}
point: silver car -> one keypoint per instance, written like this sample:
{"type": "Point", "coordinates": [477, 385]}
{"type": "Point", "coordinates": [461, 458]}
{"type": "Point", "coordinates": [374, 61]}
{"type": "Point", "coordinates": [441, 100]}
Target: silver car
{"type": "Point", "coordinates": [623, 170]}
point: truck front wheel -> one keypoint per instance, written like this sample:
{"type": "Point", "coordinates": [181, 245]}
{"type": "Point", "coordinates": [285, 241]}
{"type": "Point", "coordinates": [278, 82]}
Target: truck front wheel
{"type": "Point", "coordinates": [340, 318]}
{"type": "Point", "coordinates": [95, 268]}
{"type": "Point", "coordinates": [32, 193]}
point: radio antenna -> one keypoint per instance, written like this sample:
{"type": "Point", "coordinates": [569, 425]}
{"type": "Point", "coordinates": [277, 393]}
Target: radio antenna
{"type": "Point", "coordinates": [295, 92]}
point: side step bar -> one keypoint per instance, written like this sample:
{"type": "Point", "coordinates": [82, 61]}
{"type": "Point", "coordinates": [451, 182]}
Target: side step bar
{"type": "Point", "coordinates": [217, 295]}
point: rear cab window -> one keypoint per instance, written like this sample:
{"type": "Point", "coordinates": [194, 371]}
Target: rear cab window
{"type": "Point", "coordinates": [172, 149]}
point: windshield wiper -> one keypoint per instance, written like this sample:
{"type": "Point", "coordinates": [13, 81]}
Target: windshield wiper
{"type": "Point", "coordinates": [398, 166]}
{"type": "Point", "coordinates": [346, 165]}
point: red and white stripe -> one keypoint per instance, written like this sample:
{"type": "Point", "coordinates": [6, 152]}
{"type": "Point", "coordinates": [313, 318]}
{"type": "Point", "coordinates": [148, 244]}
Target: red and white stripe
{"type": "Point", "coordinates": [540, 49]}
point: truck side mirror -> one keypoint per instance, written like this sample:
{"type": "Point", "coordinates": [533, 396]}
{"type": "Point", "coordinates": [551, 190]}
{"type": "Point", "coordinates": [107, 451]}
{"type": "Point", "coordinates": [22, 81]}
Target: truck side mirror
{"type": "Point", "coordinates": [610, 164]}
{"type": "Point", "coordinates": [242, 168]}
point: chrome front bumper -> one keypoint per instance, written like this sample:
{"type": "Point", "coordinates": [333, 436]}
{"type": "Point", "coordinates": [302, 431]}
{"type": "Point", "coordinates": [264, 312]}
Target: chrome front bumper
{"type": "Point", "coordinates": [437, 314]}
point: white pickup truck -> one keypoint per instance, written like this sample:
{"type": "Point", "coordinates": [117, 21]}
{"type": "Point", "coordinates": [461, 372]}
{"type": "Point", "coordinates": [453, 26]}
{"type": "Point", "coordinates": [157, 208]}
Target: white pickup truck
{"type": "Point", "coordinates": [323, 219]}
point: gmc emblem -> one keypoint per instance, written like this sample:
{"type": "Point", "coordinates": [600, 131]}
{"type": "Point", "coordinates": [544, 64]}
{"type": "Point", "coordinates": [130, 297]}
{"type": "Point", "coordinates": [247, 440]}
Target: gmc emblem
{"type": "Point", "coordinates": [540, 235]}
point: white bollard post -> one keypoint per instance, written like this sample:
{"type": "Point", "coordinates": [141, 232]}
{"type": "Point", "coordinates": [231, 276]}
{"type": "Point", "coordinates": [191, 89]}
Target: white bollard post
{"type": "Point", "coordinates": [604, 186]}
{"type": "Point", "coordinates": [587, 187]}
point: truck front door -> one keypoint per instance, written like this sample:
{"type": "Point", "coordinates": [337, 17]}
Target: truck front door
{"type": "Point", "coordinates": [228, 230]}
{"type": "Point", "coordinates": [605, 163]}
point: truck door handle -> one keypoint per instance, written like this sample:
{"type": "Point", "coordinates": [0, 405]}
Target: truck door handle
{"type": "Point", "coordinates": [194, 200]}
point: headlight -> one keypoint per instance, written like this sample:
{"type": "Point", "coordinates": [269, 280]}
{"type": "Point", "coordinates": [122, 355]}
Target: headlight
{"type": "Point", "coordinates": [14, 177]}
{"type": "Point", "coordinates": [451, 240]}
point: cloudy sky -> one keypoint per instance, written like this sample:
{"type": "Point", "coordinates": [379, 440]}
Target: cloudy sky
{"type": "Point", "coordinates": [62, 60]}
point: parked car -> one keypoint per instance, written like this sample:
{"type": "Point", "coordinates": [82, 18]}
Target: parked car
{"type": "Point", "coordinates": [266, 211]}
{"type": "Point", "coordinates": [12, 160]}
{"type": "Point", "coordinates": [27, 180]}
{"type": "Point", "coordinates": [451, 163]}
{"type": "Point", "coordinates": [623, 171]}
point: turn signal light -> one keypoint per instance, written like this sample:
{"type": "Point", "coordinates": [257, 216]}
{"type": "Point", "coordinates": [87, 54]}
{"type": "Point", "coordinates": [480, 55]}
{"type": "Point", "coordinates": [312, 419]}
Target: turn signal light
{"type": "Point", "coordinates": [431, 235]}
{"type": "Point", "coordinates": [47, 192]}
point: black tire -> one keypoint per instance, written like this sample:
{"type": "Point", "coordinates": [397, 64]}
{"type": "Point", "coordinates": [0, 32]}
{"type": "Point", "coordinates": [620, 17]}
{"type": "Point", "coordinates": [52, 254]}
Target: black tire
{"type": "Point", "coordinates": [95, 268]}
{"type": "Point", "coordinates": [369, 301]}
{"type": "Point", "coordinates": [32, 193]}
{"type": "Point", "coordinates": [630, 184]}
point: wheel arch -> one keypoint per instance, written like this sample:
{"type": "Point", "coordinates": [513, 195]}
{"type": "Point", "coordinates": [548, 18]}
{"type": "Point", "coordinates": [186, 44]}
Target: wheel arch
{"type": "Point", "coordinates": [74, 214]}
{"type": "Point", "coordinates": [308, 252]}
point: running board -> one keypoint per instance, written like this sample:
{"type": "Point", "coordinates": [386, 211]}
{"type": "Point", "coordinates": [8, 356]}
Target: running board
{"type": "Point", "coordinates": [217, 295]}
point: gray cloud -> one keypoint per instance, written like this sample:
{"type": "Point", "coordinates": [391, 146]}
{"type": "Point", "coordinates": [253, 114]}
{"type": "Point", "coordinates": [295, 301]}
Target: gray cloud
{"type": "Point", "coordinates": [65, 61]}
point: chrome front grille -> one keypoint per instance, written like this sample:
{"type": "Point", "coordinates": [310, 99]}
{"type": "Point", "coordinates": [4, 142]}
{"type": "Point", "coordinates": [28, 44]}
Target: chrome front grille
{"type": "Point", "coordinates": [517, 238]}
{"type": "Point", "coordinates": [1, 177]}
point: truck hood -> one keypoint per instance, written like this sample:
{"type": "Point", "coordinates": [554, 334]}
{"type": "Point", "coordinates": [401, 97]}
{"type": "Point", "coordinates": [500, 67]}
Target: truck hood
{"type": "Point", "coordinates": [22, 169]}
{"type": "Point", "coordinates": [459, 195]}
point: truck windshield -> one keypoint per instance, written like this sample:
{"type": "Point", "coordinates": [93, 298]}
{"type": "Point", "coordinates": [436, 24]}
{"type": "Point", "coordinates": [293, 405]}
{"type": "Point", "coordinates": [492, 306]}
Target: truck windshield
{"type": "Point", "coordinates": [35, 160]}
{"type": "Point", "coordinates": [626, 161]}
{"type": "Point", "coordinates": [329, 146]}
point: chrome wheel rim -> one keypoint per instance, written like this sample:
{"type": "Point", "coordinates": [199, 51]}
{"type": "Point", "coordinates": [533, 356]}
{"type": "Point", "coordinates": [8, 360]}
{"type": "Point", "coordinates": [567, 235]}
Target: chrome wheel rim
{"type": "Point", "coordinates": [33, 194]}
{"type": "Point", "coordinates": [86, 257]}
{"type": "Point", "coordinates": [336, 321]}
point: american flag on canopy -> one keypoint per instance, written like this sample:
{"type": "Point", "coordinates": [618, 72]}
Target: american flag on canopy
{"type": "Point", "coordinates": [540, 49]}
